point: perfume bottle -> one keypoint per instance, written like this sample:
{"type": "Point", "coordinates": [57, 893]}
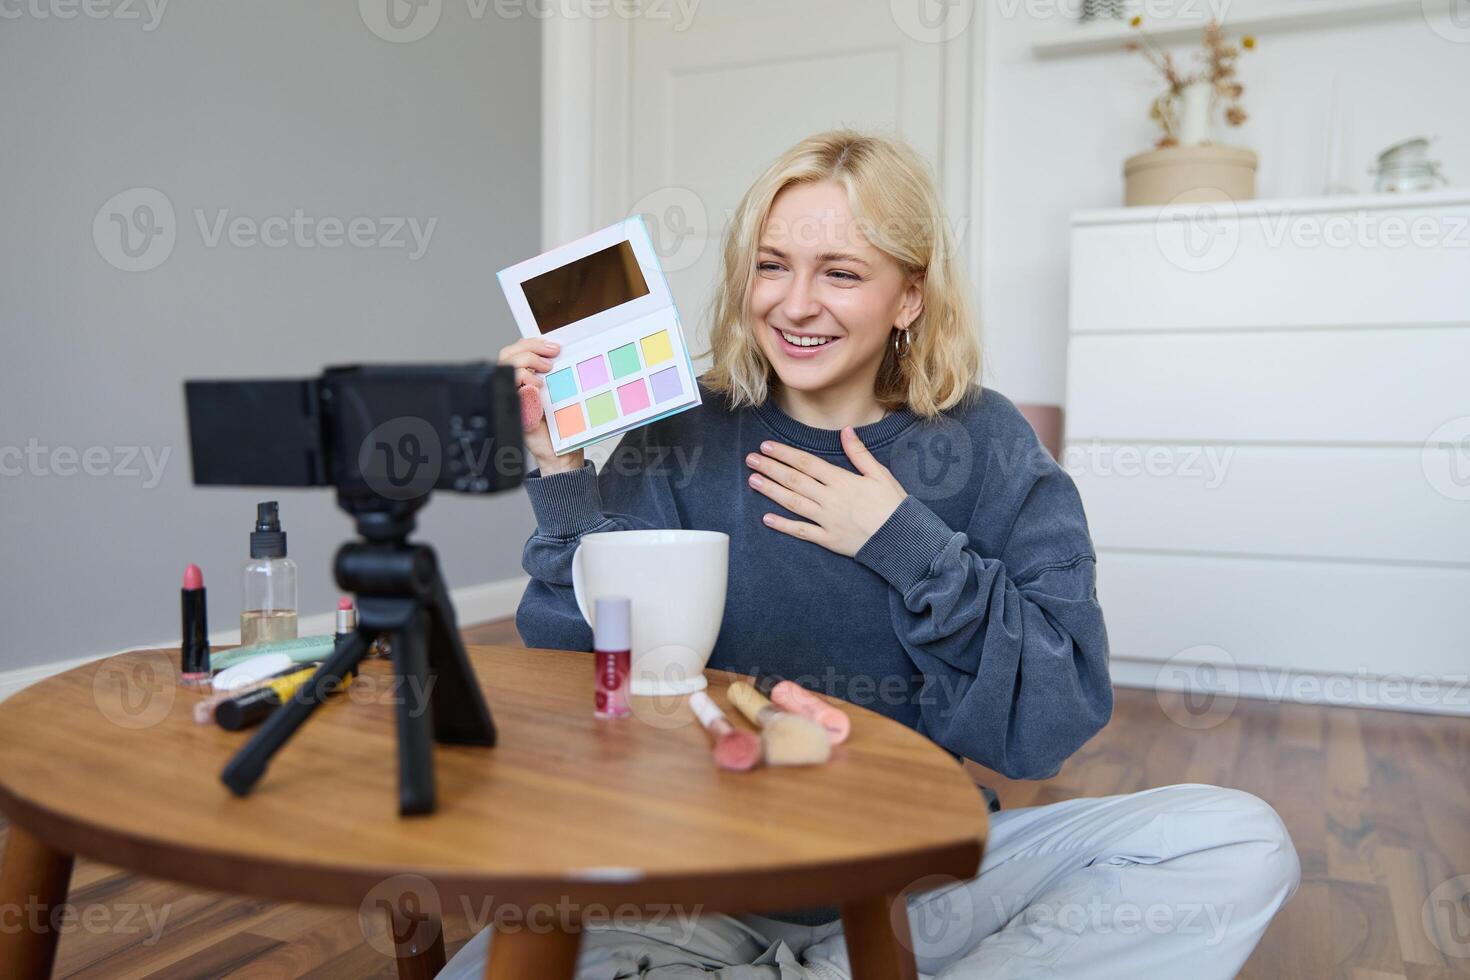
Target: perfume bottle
{"type": "Point", "coordinates": [268, 613]}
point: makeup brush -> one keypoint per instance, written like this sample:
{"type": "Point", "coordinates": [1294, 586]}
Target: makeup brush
{"type": "Point", "coordinates": [788, 740]}
{"type": "Point", "coordinates": [796, 699]}
{"type": "Point", "coordinates": [735, 748]}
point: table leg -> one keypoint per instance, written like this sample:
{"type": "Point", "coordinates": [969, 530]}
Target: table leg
{"type": "Point", "coordinates": [879, 946]}
{"type": "Point", "coordinates": [419, 944]}
{"type": "Point", "coordinates": [33, 883]}
{"type": "Point", "coordinates": [522, 954]}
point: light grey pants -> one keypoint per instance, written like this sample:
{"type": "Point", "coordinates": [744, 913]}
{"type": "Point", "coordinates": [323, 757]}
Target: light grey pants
{"type": "Point", "coordinates": [1171, 882]}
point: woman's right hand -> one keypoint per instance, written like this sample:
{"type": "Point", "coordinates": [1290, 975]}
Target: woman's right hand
{"type": "Point", "coordinates": [531, 357]}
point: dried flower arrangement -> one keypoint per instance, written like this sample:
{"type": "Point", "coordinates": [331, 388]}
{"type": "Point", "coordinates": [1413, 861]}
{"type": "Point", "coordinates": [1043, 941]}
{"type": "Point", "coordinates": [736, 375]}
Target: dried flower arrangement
{"type": "Point", "coordinates": [1218, 56]}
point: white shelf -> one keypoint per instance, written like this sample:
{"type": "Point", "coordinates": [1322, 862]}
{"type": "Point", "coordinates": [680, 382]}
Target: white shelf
{"type": "Point", "coordinates": [1298, 15]}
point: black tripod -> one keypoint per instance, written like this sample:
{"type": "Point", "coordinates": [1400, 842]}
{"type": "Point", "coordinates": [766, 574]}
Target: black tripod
{"type": "Point", "coordinates": [400, 596]}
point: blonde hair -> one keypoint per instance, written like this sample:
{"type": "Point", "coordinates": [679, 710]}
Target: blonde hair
{"type": "Point", "coordinates": [893, 200]}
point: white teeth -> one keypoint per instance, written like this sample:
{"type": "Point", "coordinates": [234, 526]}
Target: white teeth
{"type": "Point", "coordinates": [797, 341]}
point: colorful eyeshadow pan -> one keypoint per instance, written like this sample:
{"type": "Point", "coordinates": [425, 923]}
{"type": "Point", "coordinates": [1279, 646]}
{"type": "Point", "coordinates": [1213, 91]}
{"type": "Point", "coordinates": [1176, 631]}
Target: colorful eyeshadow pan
{"type": "Point", "coordinates": [633, 396]}
{"type": "Point", "coordinates": [569, 421]}
{"type": "Point", "coordinates": [592, 372]}
{"type": "Point", "coordinates": [666, 384]}
{"type": "Point", "coordinates": [560, 385]}
{"type": "Point", "coordinates": [657, 348]}
{"type": "Point", "coordinates": [600, 409]}
{"type": "Point", "coordinates": [624, 360]}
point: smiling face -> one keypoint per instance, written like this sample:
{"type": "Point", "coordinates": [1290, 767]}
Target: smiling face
{"type": "Point", "coordinates": [824, 300]}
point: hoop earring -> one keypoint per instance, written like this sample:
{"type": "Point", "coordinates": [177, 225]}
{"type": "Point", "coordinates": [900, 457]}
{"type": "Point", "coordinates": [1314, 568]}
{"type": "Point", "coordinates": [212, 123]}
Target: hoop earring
{"type": "Point", "coordinates": [901, 352]}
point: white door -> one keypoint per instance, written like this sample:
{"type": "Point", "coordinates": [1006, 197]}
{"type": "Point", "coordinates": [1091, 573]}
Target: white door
{"type": "Point", "coordinates": [689, 105]}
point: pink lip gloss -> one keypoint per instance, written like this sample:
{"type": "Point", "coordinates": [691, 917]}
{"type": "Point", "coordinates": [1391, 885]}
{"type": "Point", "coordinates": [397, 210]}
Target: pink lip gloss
{"type": "Point", "coordinates": [611, 646]}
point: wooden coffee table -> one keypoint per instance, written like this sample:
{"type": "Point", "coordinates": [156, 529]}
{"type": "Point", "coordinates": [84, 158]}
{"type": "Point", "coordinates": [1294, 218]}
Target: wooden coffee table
{"type": "Point", "coordinates": [565, 821]}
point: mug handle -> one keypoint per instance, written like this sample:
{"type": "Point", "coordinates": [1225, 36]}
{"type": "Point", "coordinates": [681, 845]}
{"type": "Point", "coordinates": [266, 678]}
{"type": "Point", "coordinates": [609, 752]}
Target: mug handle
{"type": "Point", "coordinates": [579, 590]}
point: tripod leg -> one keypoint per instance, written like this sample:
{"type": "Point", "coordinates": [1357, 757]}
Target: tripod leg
{"type": "Point", "coordinates": [249, 763]}
{"type": "Point", "coordinates": [461, 716]}
{"type": "Point", "coordinates": [415, 716]}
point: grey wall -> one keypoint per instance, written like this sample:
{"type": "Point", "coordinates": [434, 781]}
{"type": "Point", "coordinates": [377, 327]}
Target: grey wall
{"type": "Point", "coordinates": [259, 108]}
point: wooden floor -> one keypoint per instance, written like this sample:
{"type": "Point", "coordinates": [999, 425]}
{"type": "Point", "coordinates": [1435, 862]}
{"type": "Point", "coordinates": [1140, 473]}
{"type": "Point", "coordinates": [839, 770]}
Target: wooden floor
{"type": "Point", "coordinates": [1378, 804]}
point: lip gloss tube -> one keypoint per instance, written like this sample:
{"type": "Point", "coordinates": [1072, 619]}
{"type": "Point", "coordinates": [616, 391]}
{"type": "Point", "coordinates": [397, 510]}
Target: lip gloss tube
{"type": "Point", "coordinates": [611, 649]}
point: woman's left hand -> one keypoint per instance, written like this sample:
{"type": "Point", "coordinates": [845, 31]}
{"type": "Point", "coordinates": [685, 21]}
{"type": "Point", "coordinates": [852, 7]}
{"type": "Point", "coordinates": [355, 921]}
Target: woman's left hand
{"type": "Point", "coordinates": [842, 509]}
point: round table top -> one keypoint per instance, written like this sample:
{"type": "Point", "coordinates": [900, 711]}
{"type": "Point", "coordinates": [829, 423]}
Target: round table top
{"type": "Point", "coordinates": [106, 761]}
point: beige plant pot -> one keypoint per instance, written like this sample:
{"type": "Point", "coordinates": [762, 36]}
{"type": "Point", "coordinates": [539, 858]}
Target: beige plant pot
{"type": "Point", "coordinates": [1190, 175]}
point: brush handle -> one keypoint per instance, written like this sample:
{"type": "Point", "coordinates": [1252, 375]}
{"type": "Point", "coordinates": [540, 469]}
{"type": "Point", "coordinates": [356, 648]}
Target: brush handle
{"type": "Point", "coordinates": [709, 713]}
{"type": "Point", "coordinates": [752, 704]}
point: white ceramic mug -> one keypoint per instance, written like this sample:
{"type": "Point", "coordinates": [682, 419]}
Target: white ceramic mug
{"type": "Point", "coordinates": [675, 581]}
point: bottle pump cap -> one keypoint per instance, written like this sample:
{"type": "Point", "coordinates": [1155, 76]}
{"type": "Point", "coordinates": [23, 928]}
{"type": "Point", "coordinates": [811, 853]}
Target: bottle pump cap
{"type": "Point", "coordinates": [611, 632]}
{"type": "Point", "coordinates": [267, 540]}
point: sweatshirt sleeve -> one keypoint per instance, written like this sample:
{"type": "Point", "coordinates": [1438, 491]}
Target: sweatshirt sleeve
{"type": "Point", "coordinates": [627, 495]}
{"type": "Point", "coordinates": [1012, 645]}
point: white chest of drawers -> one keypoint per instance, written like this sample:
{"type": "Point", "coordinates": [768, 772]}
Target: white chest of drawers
{"type": "Point", "coordinates": [1268, 417]}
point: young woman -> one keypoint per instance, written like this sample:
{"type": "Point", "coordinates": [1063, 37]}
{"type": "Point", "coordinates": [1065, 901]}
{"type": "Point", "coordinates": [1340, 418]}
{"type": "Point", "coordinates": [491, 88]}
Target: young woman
{"type": "Point", "coordinates": [899, 538]}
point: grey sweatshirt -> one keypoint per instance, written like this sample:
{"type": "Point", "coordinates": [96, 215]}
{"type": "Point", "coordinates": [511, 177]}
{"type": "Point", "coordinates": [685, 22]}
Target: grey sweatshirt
{"type": "Point", "coordinates": [970, 616]}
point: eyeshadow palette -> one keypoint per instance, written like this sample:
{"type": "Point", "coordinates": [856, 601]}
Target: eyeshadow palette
{"type": "Point", "coordinates": [623, 360]}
